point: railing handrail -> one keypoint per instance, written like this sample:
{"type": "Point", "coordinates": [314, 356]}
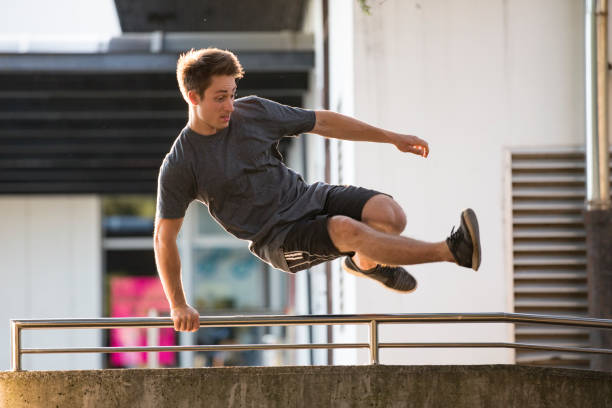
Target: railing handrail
{"type": "Point", "coordinates": [288, 320]}
{"type": "Point", "coordinates": [373, 320]}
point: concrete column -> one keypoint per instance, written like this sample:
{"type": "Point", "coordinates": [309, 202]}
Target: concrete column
{"type": "Point", "coordinates": [598, 224]}
{"type": "Point", "coordinates": [598, 215]}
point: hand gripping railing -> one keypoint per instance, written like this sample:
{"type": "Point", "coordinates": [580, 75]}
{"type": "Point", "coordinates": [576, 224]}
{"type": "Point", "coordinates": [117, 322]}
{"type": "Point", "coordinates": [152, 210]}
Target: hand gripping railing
{"type": "Point", "coordinates": [372, 320]}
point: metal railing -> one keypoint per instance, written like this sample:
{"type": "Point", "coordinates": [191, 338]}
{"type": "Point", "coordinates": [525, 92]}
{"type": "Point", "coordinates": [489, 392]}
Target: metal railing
{"type": "Point", "coordinates": [372, 320]}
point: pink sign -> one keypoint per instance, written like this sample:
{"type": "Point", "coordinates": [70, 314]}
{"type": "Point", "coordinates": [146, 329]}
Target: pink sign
{"type": "Point", "coordinates": [137, 296]}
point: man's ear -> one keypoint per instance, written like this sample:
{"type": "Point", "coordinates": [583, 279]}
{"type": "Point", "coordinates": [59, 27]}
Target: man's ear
{"type": "Point", "coordinates": [194, 98]}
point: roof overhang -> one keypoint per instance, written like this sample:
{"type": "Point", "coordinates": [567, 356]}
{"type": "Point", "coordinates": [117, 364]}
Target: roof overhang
{"type": "Point", "coordinates": [210, 15]}
{"type": "Point", "coordinates": [157, 52]}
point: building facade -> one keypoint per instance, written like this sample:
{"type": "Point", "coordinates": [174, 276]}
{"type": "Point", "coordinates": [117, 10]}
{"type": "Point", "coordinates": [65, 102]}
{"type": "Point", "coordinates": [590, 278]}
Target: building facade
{"type": "Point", "coordinates": [495, 87]}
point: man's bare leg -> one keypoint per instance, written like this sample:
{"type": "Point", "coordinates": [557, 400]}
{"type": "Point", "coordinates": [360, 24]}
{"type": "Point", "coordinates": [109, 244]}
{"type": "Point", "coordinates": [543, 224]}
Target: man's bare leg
{"type": "Point", "coordinates": [379, 247]}
{"type": "Point", "coordinates": [383, 214]}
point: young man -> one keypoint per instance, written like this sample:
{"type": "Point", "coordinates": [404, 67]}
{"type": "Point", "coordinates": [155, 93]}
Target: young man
{"type": "Point", "coordinates": [227, 158]}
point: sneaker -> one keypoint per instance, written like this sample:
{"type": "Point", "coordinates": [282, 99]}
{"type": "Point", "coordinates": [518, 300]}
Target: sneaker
{"type": "Point", "coordinates": [464, 243]}
{"type": "Point", "coordinates": [393, 277]}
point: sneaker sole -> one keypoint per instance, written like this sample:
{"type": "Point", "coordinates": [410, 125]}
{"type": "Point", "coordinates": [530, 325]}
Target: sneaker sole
{"type": "Point", "coordinates": [471, 222]}
{"type": "Point", "coordinates": [361, 275]}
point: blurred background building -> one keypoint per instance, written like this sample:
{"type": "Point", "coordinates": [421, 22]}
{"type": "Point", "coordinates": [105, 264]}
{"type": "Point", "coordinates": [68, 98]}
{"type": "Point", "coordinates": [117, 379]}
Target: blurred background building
{"type": "Point", "coordinates": [89, 106]}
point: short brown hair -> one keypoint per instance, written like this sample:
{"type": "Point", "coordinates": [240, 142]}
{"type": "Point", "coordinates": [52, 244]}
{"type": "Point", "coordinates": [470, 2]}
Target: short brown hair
{"type": "Point", "coordinates": [195, 69]}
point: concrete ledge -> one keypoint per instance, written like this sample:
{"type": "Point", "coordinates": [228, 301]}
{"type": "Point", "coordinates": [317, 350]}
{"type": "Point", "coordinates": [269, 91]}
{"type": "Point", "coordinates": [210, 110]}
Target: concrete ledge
{"type": "Point", "coordinates": [321, 386]}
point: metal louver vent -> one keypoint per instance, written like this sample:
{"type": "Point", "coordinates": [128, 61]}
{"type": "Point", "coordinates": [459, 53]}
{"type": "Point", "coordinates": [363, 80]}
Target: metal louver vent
{"type": "Point", "coordinates": [549, 250]}
{"type": "Point", "coordinates": [101, 132]}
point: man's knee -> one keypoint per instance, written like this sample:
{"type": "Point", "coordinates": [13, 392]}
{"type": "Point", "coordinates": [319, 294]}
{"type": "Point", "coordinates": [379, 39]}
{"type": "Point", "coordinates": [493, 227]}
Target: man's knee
{"type": "Point", "coordinates": [384, 213]}
{"type": "Point", "coordinates": [398, 218]}
{"type": "Point", "coordinates": [344, 232]}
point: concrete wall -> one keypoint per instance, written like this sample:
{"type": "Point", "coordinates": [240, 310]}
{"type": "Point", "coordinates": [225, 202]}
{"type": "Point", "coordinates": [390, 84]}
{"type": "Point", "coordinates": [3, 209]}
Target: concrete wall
{"type": "Point", "coordinates": [50, 267]}
{"type": "Point", "coordinates": [474, 78]}
{"type": "Point", "coordinates": [356, 386]}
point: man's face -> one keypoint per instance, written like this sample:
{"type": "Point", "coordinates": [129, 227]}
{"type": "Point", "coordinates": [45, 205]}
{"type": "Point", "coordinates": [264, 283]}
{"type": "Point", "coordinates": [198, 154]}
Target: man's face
{"type": "Point", "coordinates": [217, 104]}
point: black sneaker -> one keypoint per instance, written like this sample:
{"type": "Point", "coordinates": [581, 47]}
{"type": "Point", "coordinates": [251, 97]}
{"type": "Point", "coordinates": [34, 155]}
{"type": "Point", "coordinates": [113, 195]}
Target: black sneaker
{"type": "Point", "coordinates": [393, 277]}
{"type": "Point", "coordinates": [464, 243]}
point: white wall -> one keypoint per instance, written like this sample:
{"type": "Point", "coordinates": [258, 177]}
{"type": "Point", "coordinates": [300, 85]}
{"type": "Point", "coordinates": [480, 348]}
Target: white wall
{"type": "Point", "coordinates": [59, 17]}
{"type": "Point", "coordinates": [341, 99]}
{"type": "Point", "coordinates": [57, 26]}
{"type": "Point", "coordinates": [50, 268]}
{"type": "Point", "coordinates": [474, 78]}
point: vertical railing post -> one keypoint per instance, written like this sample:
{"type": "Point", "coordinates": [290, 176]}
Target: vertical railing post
{"type": "Point", "coordinates": [15, 346]}
{"type": "Point", "coordinates": [373, 342]}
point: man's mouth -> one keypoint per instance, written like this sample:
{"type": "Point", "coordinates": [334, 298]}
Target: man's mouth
{"type": "Point", "coordinates": [225, 118]}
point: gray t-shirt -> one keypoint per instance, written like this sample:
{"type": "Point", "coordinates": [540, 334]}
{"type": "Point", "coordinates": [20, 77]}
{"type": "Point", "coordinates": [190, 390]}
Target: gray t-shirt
{"type": "Point", "coordinates": [238, 173]}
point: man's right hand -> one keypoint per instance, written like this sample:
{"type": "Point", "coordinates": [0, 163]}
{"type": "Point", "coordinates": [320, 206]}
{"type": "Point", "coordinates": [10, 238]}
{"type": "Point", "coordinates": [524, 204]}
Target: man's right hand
{"type": "Point", "coordinates": [411, 144]}
{"type": "Point", "coordinates": [185, 318]}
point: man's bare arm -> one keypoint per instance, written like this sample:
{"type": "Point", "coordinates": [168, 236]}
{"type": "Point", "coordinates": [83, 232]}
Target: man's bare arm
{"type": "Point", "coordinates": [338, 126]}
{"type": "Point", "coordinates": [185, 317]}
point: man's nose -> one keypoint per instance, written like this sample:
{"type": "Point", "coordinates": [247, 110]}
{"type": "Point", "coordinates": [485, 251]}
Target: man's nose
{"type": "Point", "coordinates": [229, 106]}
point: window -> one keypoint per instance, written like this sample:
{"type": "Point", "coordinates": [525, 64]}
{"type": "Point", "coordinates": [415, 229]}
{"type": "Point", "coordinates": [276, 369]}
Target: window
{"type": "Point", "coordinates": [133, 288]}
{"type": "Point", "coordinates": [229, 280]}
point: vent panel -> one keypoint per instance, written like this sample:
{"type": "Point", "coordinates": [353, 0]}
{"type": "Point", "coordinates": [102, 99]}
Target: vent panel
{"type": "Point", "coordinates": [102, 133]}
{"type": "Point", "coordinates": [549, 251]}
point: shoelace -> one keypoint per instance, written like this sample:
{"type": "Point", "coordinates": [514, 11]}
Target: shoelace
{"type": "Point", "coordinates": [390, 272]}
{"type": "Point", "coordinates": [382, 270]}
{"type": "Point", "coordinates": [385, 268]}
{"type": "Point", "coordinates": [396, 280]}
{"type": "Point", "coordinates": [455, 237]}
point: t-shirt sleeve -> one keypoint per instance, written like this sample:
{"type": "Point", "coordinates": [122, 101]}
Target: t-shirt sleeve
{"type": "Point", "coordinates": [289, 120]}
{"type": "Point", "coordinates": [174, 190]}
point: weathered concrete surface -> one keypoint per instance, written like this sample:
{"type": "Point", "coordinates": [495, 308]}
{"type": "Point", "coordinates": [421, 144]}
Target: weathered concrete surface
{"type": "Point", "coordinates": [337, 386]}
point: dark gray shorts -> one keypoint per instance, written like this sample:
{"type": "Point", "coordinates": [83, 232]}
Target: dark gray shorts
{"type": "Point", "coordinates": [308, 242]}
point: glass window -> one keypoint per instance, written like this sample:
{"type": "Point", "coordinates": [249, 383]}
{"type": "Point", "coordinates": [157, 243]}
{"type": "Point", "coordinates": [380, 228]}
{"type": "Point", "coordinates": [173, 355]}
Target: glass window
{"type": "Point", "coordinates": [132, 287]}
{"type": "Point", "coordinates": [207, 225]}
{"type": "Point", "coordinates": [128, 215]}
{"type": "Point", "coordinates": [228, 279]}
{"type": "Point", "coordinates": [134, 296]}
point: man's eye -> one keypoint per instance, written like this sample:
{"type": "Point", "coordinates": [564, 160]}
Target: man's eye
{"type": "Point", "coordinates": [220, 99]}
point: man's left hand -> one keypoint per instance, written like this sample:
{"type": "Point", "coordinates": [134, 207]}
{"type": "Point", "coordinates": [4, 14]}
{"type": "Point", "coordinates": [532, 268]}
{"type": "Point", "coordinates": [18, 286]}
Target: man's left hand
{"type": "Point", "coordinates": [411, 144]}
